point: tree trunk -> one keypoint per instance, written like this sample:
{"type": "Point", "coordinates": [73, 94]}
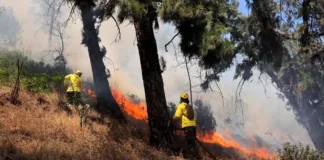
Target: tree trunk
{"type": "Point", "coordinates": [157, 110]}
{"type": "Point", "coordinates": [305, 111]}
{"type": "Point", "coordinates": [189, 78]}
{"type": "Point", "coordinates": [101, 84]}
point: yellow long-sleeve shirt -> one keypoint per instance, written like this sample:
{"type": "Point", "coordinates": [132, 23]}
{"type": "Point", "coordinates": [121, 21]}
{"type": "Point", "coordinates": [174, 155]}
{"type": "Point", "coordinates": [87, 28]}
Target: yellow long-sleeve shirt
{"type": "Point", "coordinates": [181, 112]}
{"type": "Point", "coordinates": [73, 82]}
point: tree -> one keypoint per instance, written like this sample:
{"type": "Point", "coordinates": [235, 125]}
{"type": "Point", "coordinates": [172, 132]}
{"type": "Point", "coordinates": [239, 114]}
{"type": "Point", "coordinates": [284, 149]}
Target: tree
{"type": "Point", "coordinates": [9, 28]}
{"type": "Point", "coordinates": [283, 39]}
{"type": "Point", "coordinates": [143, 14]}
{"type": "Point", "coordinates": [287, 47]}
{"type": "Point", "coordinates": [50, 13]}
{"type": "Point", "coordinates": [90, 39]}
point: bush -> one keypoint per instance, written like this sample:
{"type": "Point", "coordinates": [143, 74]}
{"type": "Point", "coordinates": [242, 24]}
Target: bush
{"type": "Point", "coordinates": [36, 75]}
{"type": "Point", "coordinates": [205, 119]}
{"type": "Point", "coordinates": [298, 152]}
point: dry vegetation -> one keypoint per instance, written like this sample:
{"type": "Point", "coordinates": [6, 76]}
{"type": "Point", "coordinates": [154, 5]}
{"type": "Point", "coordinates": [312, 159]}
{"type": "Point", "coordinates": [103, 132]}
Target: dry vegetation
{"type": "Point", "coordinates": [39, 129]}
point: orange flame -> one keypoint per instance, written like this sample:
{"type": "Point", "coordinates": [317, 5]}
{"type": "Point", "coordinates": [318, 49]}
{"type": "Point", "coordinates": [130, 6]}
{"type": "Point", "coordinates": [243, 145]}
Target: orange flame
{"type": "Point", "coordinates": [216, 138]}
{"type": "Point", "coordinates": [139, 112]}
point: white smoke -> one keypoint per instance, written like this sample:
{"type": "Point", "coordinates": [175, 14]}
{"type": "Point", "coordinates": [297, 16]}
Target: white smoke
{"type": "Point", "coordinates": [262, 115]}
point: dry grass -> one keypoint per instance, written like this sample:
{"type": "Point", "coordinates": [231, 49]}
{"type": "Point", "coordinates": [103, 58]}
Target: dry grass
{"type": "Point", "coordinates": [39, 129]}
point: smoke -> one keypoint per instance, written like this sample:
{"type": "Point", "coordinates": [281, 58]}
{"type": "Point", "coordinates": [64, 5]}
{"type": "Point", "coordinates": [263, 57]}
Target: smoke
{"type": "Point", "coordinates": [266, 117]}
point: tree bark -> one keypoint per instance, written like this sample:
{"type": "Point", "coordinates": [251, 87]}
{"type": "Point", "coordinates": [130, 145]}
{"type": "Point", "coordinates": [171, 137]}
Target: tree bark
{"type": "Point", "coordinates": [157, 110]}
{"type": "Point", "coordinates": [101, 84]}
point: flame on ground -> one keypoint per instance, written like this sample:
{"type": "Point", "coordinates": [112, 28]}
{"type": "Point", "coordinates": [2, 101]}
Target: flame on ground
{"type": "Point", "coordinates": [139, 112]}
{"type": "Point", "coordinates": [228, 142]}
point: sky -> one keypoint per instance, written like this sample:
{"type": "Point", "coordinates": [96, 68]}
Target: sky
{"type": "Point", "coordinates": [263, 112]}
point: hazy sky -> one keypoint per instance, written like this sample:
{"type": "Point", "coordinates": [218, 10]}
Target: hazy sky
{"type": "Point", "coordinates": [261, 114]}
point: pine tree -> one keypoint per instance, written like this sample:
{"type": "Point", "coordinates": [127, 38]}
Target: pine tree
{"type": "Point", "coordinates": [143, 14]}
{"type": "Point", "coordinates": [91, 40]}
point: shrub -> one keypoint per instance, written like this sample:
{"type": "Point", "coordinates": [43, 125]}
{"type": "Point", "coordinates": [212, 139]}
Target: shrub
{"type": "Point", "coordinates": [36, 75]}
{"type": "Point", "coordinates": [298, 152]}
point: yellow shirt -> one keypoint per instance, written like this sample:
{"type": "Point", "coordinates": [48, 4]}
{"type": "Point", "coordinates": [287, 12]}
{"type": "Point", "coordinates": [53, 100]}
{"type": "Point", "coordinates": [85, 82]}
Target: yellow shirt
{"type": "Point", "coordinates": [74, 82]}
{"type": "Point", "coordinates": [181, 112]}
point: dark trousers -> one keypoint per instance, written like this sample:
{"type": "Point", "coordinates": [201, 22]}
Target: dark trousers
{"type": "Point", "coordinates": [190, 134]}
{"type": "Point", "coordinates": [74, 98]}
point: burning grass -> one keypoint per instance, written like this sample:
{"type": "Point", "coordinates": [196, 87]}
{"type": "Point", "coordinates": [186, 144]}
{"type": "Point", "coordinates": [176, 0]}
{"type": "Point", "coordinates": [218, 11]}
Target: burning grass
{"type": "Point", "coordinates": [39, 129]}
{"type": "Point", "coordinates": [138, 111]}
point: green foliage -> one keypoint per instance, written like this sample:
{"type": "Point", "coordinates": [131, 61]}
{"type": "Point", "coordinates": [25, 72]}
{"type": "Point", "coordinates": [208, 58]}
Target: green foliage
{"type": "Point", "coordinates": [36, 76]}
{"type": "Point", "coordinates": [205, 119]}
{"type": "Point", "coordinates": [172, 108]}
{"type": "Point", "coordinates": [297, 152]}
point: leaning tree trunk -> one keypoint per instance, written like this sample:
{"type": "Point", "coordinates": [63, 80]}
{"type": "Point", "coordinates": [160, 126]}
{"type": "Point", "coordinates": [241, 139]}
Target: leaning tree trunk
{"type": "Point", "coordinates": [102, 88]}
{"type": "Point", "coordinates": [305, 111]}
{"type": "Point", "coordinates": [157, 110]}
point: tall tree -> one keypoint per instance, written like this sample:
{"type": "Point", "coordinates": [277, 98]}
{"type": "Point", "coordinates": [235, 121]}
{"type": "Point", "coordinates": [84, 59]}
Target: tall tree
{"type": "Point", "coordinates": [10, 28]}
{"type": "Point", "coordinates": [287, 46]}
{"type": "Point", "coordinates": [143, 14]}
{"type": "Point", "coordinates": [283, 39]}
{"type": "Point", "coordinates": [90, 38]}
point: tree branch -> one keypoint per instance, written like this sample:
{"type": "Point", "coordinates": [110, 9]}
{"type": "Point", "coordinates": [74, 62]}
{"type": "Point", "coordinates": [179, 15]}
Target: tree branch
{"type": "Point", "coordinates": [118, 36]}
{"type": "Point", "coordinates": [166, 46]}
{"type": "Point", "coordinates": [220, 92]}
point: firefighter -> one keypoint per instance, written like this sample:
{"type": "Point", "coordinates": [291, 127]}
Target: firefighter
{"type": "Point", "coordinates": [74, 84]}
{"type": "Point", "coordinates": [186, 114]}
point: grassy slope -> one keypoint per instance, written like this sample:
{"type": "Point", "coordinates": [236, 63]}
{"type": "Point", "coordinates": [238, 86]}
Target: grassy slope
{"type": "Point", "coordinates": [39, 129]}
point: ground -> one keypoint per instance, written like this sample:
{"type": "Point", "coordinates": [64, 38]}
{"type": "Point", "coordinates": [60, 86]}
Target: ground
{"type": "Point", "coordinates": [39, 129]}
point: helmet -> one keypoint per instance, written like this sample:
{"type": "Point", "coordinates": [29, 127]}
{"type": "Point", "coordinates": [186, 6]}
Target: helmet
{"type": "Point", "coordinates": [184, 95]}
{"type": "Point", "coordinates": [78, 72]}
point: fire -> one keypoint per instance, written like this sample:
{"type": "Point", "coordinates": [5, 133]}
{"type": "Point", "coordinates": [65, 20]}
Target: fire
{"type": "Point", "coordinates": [216, 138]}
{"type": "Point", "coordinates": [90, 92]}
{"type": "Point", "coordinates": [139, 112]}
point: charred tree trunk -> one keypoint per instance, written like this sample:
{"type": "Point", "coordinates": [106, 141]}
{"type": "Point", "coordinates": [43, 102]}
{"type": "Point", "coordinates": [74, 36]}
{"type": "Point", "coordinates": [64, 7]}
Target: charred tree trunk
{"type": "Point", "coordinates": [96, 54]}
{"type": "Point", "coordinates": [157, 109]}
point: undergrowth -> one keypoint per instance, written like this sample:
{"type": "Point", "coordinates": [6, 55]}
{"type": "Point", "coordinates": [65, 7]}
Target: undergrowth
{"type": "Point", "coordinates": [299, 152]}
{"type": "Point", "coordinates": [40, 129]}
{"type": "Point", "coordinates": [36, 75]}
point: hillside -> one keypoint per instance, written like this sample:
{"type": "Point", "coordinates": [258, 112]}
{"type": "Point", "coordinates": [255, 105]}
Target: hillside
{"type": "Point", "coordinates": [39, 129]}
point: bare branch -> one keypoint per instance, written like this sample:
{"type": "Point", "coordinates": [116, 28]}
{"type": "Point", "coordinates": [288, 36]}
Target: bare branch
{"type": "Point", "coordinates": [118, 36]}
{"type": "Point", "coordinates": [166, 46]}
{"type": "Point", "coordinates": [113, 64]}
{"type": "Point", "coordinates": [264, 88]}
{"type": "Point", "coordinates": [220, 92]}
{"type": "Point", "coordinates": [70, 15]}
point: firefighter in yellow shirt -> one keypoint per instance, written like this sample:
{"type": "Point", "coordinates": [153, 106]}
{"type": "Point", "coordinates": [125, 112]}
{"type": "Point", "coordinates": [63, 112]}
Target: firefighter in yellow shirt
{"type": "Point", "coordinates": [74, 84]}
{"type": "Point", "coordinates": [186, 114]}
